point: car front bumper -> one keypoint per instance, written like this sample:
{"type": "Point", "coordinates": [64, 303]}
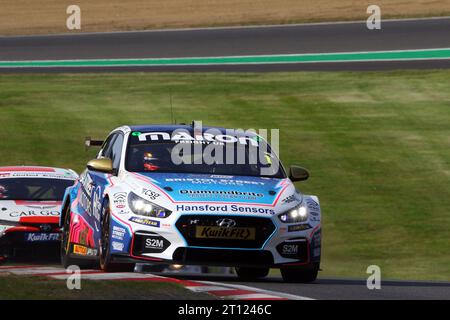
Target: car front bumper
{"type": "Point", "coordinates": [25, 238]}
{"type": "Point", "coordinates": [274, 245]}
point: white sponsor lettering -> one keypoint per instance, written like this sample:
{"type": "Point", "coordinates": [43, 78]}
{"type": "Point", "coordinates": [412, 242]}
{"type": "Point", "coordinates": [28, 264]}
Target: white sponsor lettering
{"type": "Point", "coordinates": [118, 246]}
{"type": "Point", "coordinates": [290, 249]}
{"type": "Point", "coordinates": [154, 243]}
{"type": "Point", "coordinates": [17, 214]}
{"type": "Point", "coordinates": [224, 209]}
{"type": "Point", "coordinates": [37, 237]}
{"type": "Point", "coordinates": [185, 136]}
{"type": "Point", "coordinates": [118, 233]}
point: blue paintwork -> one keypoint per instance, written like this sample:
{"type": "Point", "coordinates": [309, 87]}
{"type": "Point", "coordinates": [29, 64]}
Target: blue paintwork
{"type": "Point", "coordinates": [182, 181]}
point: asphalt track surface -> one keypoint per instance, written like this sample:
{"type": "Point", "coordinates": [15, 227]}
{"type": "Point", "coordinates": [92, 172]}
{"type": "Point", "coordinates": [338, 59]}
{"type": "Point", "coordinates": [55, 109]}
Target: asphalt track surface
{"type": "Point", "coordinates": [322, 289]}
{"type": "Point", "coordinates": [220, 42]}
{"type": "Point", "coordinates": [337, 289]}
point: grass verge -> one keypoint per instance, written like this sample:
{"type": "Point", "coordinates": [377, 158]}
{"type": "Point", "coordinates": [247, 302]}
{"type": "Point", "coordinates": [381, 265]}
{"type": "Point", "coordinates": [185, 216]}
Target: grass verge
{"type": "Point", "coordinates": [42, 288]}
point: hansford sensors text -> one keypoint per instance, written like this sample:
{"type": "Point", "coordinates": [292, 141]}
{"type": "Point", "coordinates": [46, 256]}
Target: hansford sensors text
{"type": "Point", "coordinates": [224, 208]}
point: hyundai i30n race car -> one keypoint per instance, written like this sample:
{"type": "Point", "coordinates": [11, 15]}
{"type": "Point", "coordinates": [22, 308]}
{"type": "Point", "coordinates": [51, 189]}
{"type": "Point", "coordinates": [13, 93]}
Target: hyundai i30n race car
{"type": "Point", "coordinates": [153, 194]}
{"type": "Point", "coordinates": [30, 200]}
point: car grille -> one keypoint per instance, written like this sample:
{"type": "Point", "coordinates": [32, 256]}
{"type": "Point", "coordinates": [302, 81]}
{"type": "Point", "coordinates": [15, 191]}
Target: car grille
{"type": "Point", "coordinates": [263, 228]}
{"type": "Point", "coordinates": [223, 257]}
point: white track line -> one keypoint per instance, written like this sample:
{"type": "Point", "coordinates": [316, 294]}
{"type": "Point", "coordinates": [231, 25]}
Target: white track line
{"type": "Point", "coordinates": [109, 276]}
{"type": "Point", "coordinates": [205, 286]}
{"type": "Point", "coordinates": [34, 271]}
{"type": "Point", "coordinates": [6, 268]}
{"type": "Point", "coordinates": [270, 292]}
{"type": "Point", "coordinates": [252, 296]}
{"type": "Point", "coordinates": [227, 292]}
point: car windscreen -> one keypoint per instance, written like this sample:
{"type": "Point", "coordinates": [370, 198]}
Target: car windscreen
{"type": "Point", "coordinates": [33, 189]}
{"type": "Point", "coordinates": [203, 158]}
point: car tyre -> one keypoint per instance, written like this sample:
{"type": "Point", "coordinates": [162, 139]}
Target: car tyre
{"type": "Point", "coordinates": [300, 274]}
{"type": "Point", "coordinates": [245, 273]}
{"type": "Point", "coordinates": [105, 257]}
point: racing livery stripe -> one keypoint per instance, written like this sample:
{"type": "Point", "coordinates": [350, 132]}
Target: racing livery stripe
{"type": "Point", "coordinates": [314, 230]}
{"type": "Point", "coordinates": [147, 180]}
{"type": "Point", "coordinates": [122, 222]}
{"type": "Point", "coordinates": [26, 169]}
{"type": "Point", "coordinates": [22, 229]}
{"type": "Point", "coordinates": [40, 219]}
{"type": "Point", "coordinates": [37, 203]}
{"type": "Point", "coordinates": [81, 229]}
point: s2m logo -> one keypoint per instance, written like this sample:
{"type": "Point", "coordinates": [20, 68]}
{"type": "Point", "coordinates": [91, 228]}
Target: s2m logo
{"type": "Point", "coordinates": [290, 249]}
{"type": "Point", "coordinates": [154, 243]}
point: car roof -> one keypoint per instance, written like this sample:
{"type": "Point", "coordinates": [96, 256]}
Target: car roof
{"type": "Point", "coordinates": [189, 128]}
{"type": "Point", "coordinates": [36, 172]}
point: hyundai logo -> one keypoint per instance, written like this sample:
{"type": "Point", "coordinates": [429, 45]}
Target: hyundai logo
{"type": "Point", "coordinates": [45, 227]}
{"type": "Point", "coordinates": [226, 223]}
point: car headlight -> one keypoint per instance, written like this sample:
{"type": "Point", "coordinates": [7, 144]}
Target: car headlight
{"type": "Point", "coordinates": [9, 223]}
{"type": "Point", "coordinates": [144, 207]}
{"type": "Point", "coordinates": [5, 225]}
{"type": "Point", "coordinates": [297, 214]}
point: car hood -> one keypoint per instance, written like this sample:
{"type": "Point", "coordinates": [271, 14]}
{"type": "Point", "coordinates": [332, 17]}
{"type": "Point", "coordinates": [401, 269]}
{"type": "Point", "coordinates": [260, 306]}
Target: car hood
{"type": "Point", "coordinates": [201, 188]}
{"type": "Point", "coordinates": [29, 211]}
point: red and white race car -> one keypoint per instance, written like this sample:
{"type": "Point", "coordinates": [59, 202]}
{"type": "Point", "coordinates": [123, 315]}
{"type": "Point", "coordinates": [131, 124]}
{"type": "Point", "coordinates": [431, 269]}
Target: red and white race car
{"type": "Point", "coordinates": [30, 200]}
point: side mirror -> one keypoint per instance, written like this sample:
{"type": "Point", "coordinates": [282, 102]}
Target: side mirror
{"type": "Point", "coordinates": [297, 173]}
{"type": "Point", "coordinates": [102, 165]}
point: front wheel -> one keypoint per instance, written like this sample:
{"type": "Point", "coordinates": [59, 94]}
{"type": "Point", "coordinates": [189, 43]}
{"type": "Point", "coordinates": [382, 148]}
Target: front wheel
{"type": "Point", "coordinates": [300, 274]}
{"type": "Point", "coordinates": [105, 256]}
{"type": "Point", "coordinates": [245, 273]}
{"type": "Point", "coordinates": [66, 259]}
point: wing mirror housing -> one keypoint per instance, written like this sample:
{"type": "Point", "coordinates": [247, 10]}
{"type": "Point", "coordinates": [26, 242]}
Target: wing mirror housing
{"type": "Point", "coordinates": [102, 165]}
{"type": "Point", "coordinates": [297, 173]}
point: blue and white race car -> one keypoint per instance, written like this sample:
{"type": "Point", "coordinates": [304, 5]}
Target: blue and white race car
{"type": "Point", "coordinates": [184, 194]}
